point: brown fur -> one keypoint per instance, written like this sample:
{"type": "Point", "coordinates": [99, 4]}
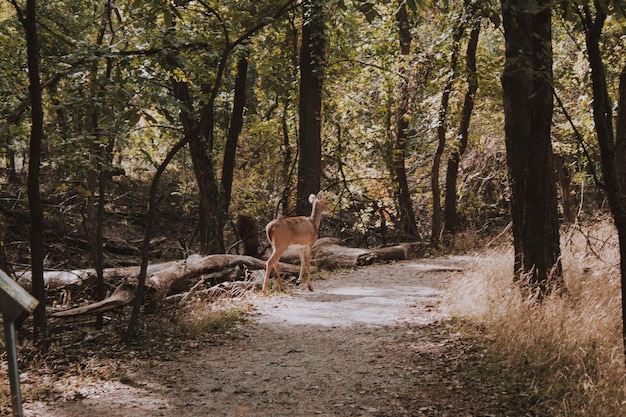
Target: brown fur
{"type": "Point", "coordinates": [298, 231]}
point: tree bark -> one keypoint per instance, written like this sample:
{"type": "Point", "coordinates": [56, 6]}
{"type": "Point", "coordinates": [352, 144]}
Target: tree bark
{"type": "Point", "coordinates": [602, 116]}
{"type": "Point", "coordinates": [620, 136]}
{"type": "Point", "coordinates": [450, 204]}
{"type": "Point", "coordinates": [564, 180]}
{"type": "Point", "coordinates": [406, 219]}
{"type": "Point", "coordinates": [288, 166]}
{"type": "Point", "coordinates": [527, 88]}
{"type": "Point", "coordinates": [312, 68]}
{"type": "Point", "coordinates": [34, 195]}
{"type": "Point", "coordinates": [82, 278]}
{"type": "Point", "coordinates": [441, 135]}
{"type": "Point", "coordinates": [198, 133]}
{"type": "Point", "coordinates": [248, 231]}
{"type": "Point", "coordinates": [101, 160]}
{"type": "Point", "coordinates": [329, 253]}
{"type": "Point", "coordinates": [620, 159]}
{"type": "Point", "coordinates": [236, 124]}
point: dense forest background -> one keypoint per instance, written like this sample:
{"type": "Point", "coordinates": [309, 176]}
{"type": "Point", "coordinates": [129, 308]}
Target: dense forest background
{"type": "Point", "coordinates": [209, 99]}
{"type": "Point", "coordinates": [135, 132]}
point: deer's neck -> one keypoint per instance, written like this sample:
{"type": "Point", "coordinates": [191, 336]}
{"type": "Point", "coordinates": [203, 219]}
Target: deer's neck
{"type": "Point", "coordinates": [316, 218]}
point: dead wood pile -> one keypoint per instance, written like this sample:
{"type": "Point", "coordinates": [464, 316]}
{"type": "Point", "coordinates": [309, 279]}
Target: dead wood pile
{"type": "Point", "coordinates": [208, 275]}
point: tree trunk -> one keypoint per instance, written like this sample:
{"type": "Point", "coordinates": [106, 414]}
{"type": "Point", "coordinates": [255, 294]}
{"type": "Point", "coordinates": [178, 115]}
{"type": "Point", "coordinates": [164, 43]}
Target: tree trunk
{"type": "Point", "coordinates": [58, 280]}
{"type": "Point", "coordinates": [11, 167]}
{"type": "Point", "coordinates": [131, 330]}
{"type": "Point", "coordinates": [34, 161]}
{"type": "Point", "coordinates": [236, 124]}
{"type": "Point", "coordinates": [527, 89]}
{"type": "Point", "coordinates": [311, 83]}
{"type": "Point", "coordinates": [98, 174]}
{"type": "Point", "coordinates": [450, 204]}
{"type": "Point", "coordinates": [620, 136]}
{"type": "Point", "coordinates": [248, 231]}
{"type": "Point", "coordinates": [288, 167]}
{"type": "Point", "coordinates": [441, 135]}
{"type": "Point", "coordinates": [564, 181]}
{"type": "Point", "coordinates": [602, 116]}
{"type": "Point", "coordinates": [406, 219]}
{"type": "Point", "coordinates": [211, 225]}
{"type": "Point", "coordinates": [198, 134]}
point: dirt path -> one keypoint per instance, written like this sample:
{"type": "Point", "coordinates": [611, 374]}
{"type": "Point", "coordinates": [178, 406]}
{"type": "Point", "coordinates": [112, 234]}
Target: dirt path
{"type": "Point", "coordinates": [368, 342]}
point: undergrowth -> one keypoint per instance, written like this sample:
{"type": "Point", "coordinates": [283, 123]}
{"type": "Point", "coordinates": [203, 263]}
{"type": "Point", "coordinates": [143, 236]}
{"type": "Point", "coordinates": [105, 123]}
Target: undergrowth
{"type": "Point", "coordinates": [203, 318]}
{"type": "Point", "coordinates": [79, 352]}
{"type": "Point", "coordinates": [562, 356]}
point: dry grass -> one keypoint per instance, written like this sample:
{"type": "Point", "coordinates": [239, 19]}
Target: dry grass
{"type": "Point", "coordinates": [564, 356]}
{"type": "Point", "coordinates": [220, 317]}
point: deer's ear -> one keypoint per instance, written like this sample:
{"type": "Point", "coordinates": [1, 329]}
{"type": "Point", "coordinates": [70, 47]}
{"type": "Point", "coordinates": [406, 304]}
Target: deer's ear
{"type": "Point", "coordinates": [312, 198]}
{"type": "Point", "coordinates": [320, 195]}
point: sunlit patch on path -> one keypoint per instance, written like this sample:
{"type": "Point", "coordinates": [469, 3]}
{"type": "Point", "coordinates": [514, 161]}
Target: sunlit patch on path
{"type": "Point", "coordinates": [383, 295]}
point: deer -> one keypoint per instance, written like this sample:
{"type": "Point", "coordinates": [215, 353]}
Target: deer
{"type": "Point", "coordinates": [300, 232]}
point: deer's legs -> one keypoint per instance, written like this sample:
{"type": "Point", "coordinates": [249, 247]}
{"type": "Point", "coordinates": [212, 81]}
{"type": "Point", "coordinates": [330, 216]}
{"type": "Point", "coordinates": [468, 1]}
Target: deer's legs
{"type": "Point", "coordinates": [302, 256]}
{"type": "Point", "coordinates": [278, 278]}
{"type": "Point", "coordinates": [309, 252]}
{"type": "Point", "coordinates": [272, 263]}
{"type": "Point", "coordinates": [305, 260]}
{"type": "Point", "coordinates": [268, 271]}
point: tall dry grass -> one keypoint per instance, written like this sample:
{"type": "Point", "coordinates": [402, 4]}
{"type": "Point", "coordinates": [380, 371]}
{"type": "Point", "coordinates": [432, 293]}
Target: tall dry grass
{"type": "Point", "coordinates": [564, 355]}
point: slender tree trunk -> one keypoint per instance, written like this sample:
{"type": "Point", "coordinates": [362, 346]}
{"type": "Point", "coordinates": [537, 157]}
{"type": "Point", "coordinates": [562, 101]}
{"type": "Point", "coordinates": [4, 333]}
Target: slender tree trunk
{"type": "Point", "coordinates": [100, 215]}
{"type": "Point", "coordinates": [441, 135]}
{"type": "Point", "coordinates": [34, 161]}
{"type": "Point", "coordinates": [602, 116]}
{"type": "Point", "coordinates": [406, 219]}
{"type": "Point", "coordinates": [527, 88]}
{"type": "Point", "coordinates": [450, 204]}
{"type": "Point", "coordinates": [564, 181]}
{"type": "Point", "coordinates": [288, 167]}
{"type": "Point", "coordinates": [98, 174]}
{"type": "Point", "coordinates": [311, 84]}
{"type": "Point", "coordinates": [11, 167]}
{"type": "Point", "coordinates": [236, 124]}
{"type": "Point", "coordinates": [620, 136]}
{"type": "Point", "coordinates": [131, 330]}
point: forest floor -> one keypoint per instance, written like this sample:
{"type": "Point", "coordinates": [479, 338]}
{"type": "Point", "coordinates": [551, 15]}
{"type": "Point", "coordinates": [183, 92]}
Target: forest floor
{"type": "Point", "coordinates": [366, 342]}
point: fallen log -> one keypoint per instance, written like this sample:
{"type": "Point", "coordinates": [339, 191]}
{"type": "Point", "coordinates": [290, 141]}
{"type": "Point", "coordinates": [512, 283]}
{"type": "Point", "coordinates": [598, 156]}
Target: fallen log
{"type": "Point", "coordinates": [196, 265]}
{"type": "Point", "coordinates": [178, 276]}
{"type": "Point", "coordinates": [329, 253]}
{"type": "Point", "coordinates": [123, 295]}
{"type": "Point", "coordinates": [165, 276]}
{"type": "Point", "coordinates": [56, 280]}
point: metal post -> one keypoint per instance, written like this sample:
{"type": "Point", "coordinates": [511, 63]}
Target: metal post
{"type": "Point", "coordinates": [14, 374]}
